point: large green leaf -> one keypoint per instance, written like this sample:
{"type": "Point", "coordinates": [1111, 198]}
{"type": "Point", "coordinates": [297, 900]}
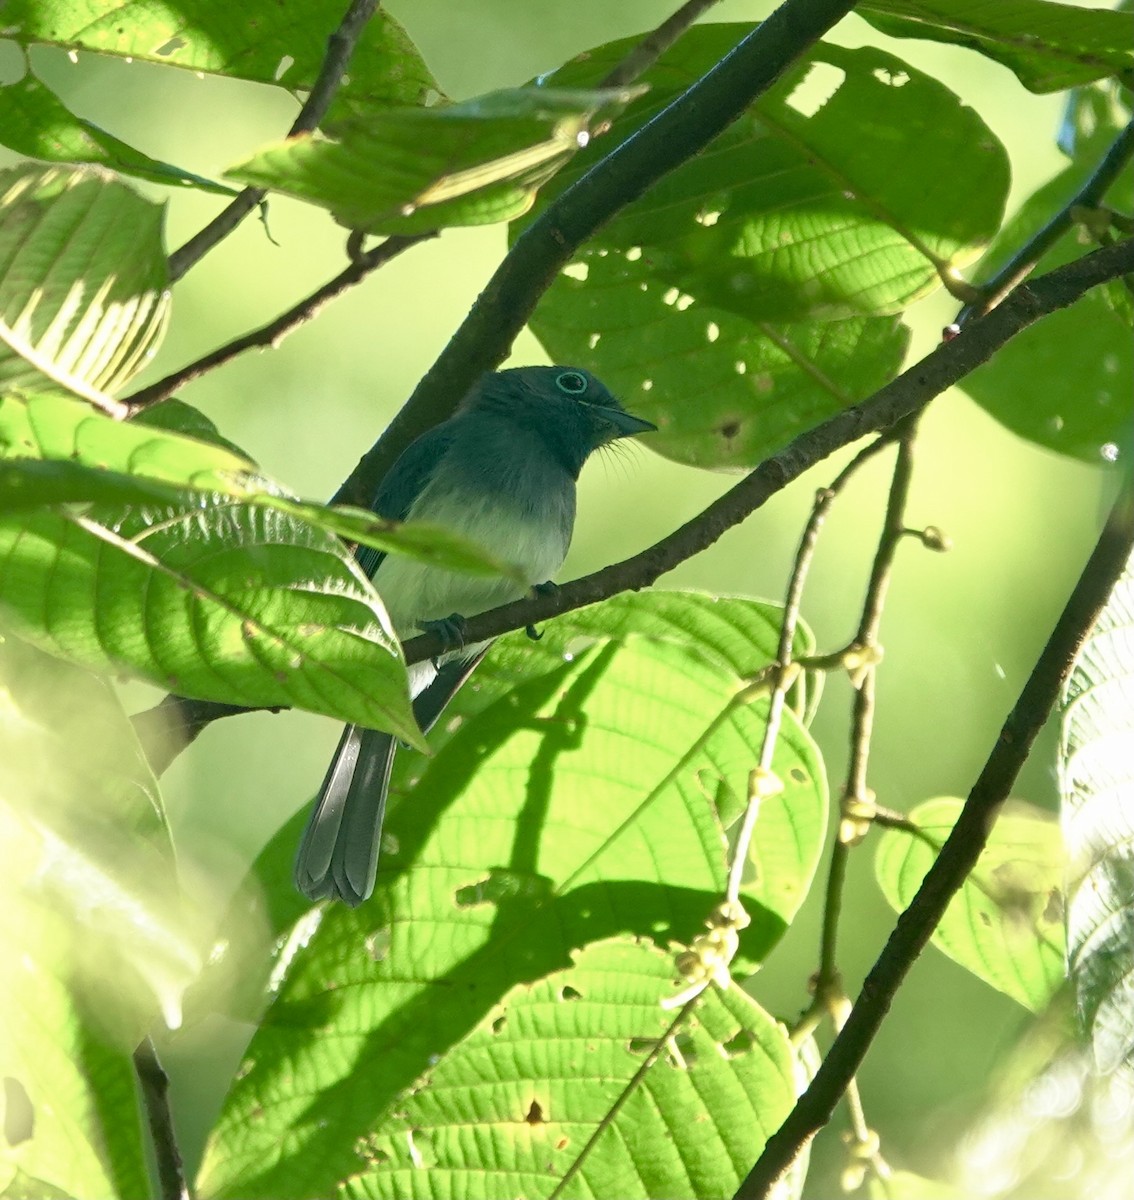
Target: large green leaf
{"type": "Point", "coordinates": [1006, 923]}
{"type": "Point", "coordinates": [258, 40]}
{"type": "Point", "coordinates": [105, 457]}
{"type": "Point", "coordinates": [36, 123]}
{"type": "Point", "coordinates": [94, 944]}
{"type": "Point", "coordinates": [1049, 46]}
{"type": "Point", "coordinates": [83, 284]}
{"type": "Point", "coordinates": [513, 1108]}
{"type": "Point", "coordinates": [1096, 776]}
{"type": "Point", "coordinates": [763, 276]}
{"type": "Point", "coordinates": [580, 788]}
{"type": "Point", "coordinates": [1068, 383]}
{"type": "Point", "coordinates": [408, 170]}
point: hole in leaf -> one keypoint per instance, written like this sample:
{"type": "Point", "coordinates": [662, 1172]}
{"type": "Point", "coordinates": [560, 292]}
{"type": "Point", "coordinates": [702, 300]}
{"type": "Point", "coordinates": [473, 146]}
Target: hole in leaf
{"type": "Point", "coordinates": [712, 331]}
{"type": "Point", "coordinates": [895, 79]}
{"type": "Point", "coordinates": [634, 253]}
{"type": "Point", "coordinates": [283, 66]}
{"type": "Point", "coordinates": [647, 385]}
{"type": "Point", "coordinates": [378, 944]}
{"type": "Point", "coordinates": [171, 47]}
{"type": "Point", "coordinates": [797, 775]}
{"type": "Point", "coordinates": [816, 88]}
{"type": "Point", "coordinates": [729, 429]}
{"type": "Point", "coordinates": [534, 1114]}
{"type": "Point", "coordinates": [567, 992]}
{"type": "Point", "coordinates": [642, 1046]}
{"type": "Point", "coordinates": [577, 270]}
{"type": "Point", "coordinates": [740, 1043]}
{"type": "Point", "coordinates": [499, 1023]}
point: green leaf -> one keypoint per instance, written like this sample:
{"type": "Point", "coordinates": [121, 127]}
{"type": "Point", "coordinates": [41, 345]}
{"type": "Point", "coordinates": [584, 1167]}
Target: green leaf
{"type": "Point", "coordinates": [36, 123]}
{"type": "Point", "coordinates": [83, 284]}
{"type": "Point", "coordinates": [1048, 46]}
{"type": "Point", "coordinates": [1096, 774]}
{"type": "Point", "coordinates": [163, 466]}
{"type": "Point", "coordinates": [94, 941]}
{"type": "Point", "coordinates": [1068, 382]}
{"type": "Point", "coordinates": [260, 40]}
{"type": "Point", "coordinates": [762, 277]}
{"type": "Point", "coordinates": [1005, 925]}
{"type": "Point", "coordinates": [410, 170]}
{"type": "Point", "coordinates": [581, 788]}
{"type": "Point", "coordinates": [540, 1076]}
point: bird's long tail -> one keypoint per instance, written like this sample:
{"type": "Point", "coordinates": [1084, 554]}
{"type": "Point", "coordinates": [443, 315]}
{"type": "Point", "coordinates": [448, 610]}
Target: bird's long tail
{"type": "Point", "coordinates": [338, 853]}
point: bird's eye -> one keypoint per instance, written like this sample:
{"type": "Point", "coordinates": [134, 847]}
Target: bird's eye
{"type": "Point", "coordinates": [571, 382]}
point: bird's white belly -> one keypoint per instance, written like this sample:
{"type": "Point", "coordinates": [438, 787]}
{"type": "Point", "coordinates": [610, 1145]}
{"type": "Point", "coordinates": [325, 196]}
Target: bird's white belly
{"type": "Point", "coordinates": [414, 592]}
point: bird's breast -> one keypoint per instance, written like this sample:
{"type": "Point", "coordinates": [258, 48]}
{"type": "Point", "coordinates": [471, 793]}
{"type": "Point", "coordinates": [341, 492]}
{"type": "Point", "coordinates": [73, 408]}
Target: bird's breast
{"type": "Point", "coordinates": [530, 532]}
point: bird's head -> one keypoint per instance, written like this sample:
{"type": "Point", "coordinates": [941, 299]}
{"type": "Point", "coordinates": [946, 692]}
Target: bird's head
{"type": "Point", "coordinates": [574, 411]}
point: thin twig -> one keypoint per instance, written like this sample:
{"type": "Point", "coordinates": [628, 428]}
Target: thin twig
{"type": "Point", "coordinates": [340, 47]}
{"type": "Point", "coordinates": [824, 498]}
{"type": "Point", "coordinates": [857, 798]}
{"type": "Point", "coordinates": [1024, 261]}
{"type": "Point", "coordinates": [154, 1085]}
{"type": "Point", "coordinates": [910, 392]}
{"type": "Point", "coordinates": [655, 44]}
{"type": "Point", "coordinates": [958, 855]}
{"type": "Point", "coordinates": [276, 330]}
{"type": "Point", "coordinates": [678, 132]}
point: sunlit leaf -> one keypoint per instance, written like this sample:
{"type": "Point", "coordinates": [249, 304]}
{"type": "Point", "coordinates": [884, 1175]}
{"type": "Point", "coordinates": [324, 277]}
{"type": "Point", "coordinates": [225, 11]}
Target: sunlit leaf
{"type": "Point", "coordinates": [581, 788]}
{"type": "Point", "coordinates": [1049, 46]}
{"type": "Point", "coordinates": [410, 170]}
{"type": "Point", "coordinates": [95, 946]}
{"type": "Point", "coordinates": [83, 284]}
{"type": "Point", "coordinates": [540, 1077]}
{"type": "Point", "coordinates": [1005, 925]}
{"type": "Point", "coordinates": [754, 290]}
{"type": "Point", "coordinates": [261, 41]}
{"type": "Point", "coordinates": [1096, 775]}
{"type": "Point", "coordinates": [36, 123]}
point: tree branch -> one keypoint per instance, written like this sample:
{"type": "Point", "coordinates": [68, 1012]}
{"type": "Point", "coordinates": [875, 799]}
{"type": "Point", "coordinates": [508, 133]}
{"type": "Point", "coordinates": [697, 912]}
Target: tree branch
{"type": "Point", "coordinates": [340, 47]}
{"type": "Point", "coordinates": [910, 392]}
{"type": "Point", "coordinates": [154, 1085]}
{"type": "Point", "coordinates": [655, 44]}
{"type": "Point", "coordinates": [1024, 261]}
{"type": "Point", "coordinates": [677, 133]}
{"type": "Point", "coordinates": [276, 330]}
{"type": "Point", "coordinates": [958, 855]}
{"type": "Point", "coordinates": [907, 394]}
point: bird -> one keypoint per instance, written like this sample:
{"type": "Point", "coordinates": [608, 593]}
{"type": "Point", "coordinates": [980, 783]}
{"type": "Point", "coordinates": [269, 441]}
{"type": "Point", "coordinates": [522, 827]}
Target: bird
{"type": "Point", "coordinates": [501, 471]}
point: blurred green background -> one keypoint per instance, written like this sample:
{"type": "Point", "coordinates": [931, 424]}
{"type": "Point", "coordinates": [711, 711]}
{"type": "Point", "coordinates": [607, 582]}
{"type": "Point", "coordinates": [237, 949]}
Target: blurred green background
{"type": "Point", "coordinates": [960, 633]}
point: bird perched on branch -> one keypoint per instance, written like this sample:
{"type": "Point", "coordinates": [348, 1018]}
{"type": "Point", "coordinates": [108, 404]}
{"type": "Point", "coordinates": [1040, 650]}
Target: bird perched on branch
{"type": "Point", "coordinates": [501, 471]}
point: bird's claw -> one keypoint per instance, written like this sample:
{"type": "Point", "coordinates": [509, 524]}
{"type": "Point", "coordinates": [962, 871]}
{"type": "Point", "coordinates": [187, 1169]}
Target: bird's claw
{"type": "Point", "coordinates": [450, 629]}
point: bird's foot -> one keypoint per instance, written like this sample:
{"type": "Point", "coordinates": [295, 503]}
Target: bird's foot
{"type": "Point", "coordinates": [450, 629]}
{"type": "Point", "coordinates": [547, 588]}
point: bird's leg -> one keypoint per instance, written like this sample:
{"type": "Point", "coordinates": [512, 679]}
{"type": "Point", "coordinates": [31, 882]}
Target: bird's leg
{"type": "Point", "coordinates": [451, 631]}
{"type": "Point", "coordinates": [547, 588]}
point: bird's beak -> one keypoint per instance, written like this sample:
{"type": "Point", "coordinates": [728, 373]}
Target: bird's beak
{"type": "Point", "coordinates": [626, 423]}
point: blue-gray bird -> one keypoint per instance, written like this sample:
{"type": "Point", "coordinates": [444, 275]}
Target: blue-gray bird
{"type": "Point", "coordinates": [501, 471]}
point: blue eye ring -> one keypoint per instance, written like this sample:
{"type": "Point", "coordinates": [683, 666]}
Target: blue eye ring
{"type": "Point", "coordinates": [572, 383]}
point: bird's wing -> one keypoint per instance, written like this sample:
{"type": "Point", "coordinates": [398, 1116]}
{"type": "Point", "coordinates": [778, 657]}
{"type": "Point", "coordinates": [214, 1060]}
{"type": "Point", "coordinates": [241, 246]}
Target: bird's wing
{"type": "Point", "coordinates": [403, 483]}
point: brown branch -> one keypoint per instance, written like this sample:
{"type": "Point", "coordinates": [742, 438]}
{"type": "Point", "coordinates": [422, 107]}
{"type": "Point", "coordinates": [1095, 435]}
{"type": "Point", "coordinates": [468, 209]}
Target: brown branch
{"type": "Point", "coordinates": [276, 330]}
{"type": "Point", "coordinates": [672, 137]}
{"type": "Point", "coordinates": [340, 47]}
{"type": "Point", "coordinates": [1024, 261]}
{"type": "Point", "coordinates": [655, 44]}
{"type": "Point", "coordinates": [958, 855]}
{"type": "Point", "coordinates": [154, 1085]}
{"type": "Point", "coordinates": [910, 392]}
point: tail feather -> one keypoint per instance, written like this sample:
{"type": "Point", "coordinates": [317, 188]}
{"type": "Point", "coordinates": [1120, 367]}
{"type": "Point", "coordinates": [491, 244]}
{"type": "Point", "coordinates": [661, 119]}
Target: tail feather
{"type": "Point", "coordinates": [338, 853]}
